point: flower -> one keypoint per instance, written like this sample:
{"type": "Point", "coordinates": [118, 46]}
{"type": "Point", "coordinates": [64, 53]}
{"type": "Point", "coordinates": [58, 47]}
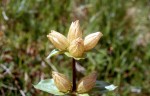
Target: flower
{"type": "Point", "coordinates": [74, 44]}
{"type": "Point", "coordinates": [58, 40]}
{"type": "Point", "coordinates": [62, 82]}
{"type": "Point", "coordinates": [91, 40]}
{"type": "Point", "coordinates": [76, 47]}
{"type": "Point", "coordinates": [74, 31]}
{"type": "Point", "coordinates": [86, 83]}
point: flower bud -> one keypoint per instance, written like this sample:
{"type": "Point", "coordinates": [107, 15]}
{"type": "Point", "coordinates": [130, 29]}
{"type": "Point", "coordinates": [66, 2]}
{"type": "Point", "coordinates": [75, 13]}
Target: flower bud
{"type": "Point", "coordinates": [58, 40]}
{"type": "Point", "coordinates": [62, 82]}
{"type": "Point", "coordinates": [86, 83]}
{"type": "Point", "coordinates": [74, 31]}
{"type": "Point", "coordinates": [76, 48]}
{"type": "Point", "coordinates": [91, 40]}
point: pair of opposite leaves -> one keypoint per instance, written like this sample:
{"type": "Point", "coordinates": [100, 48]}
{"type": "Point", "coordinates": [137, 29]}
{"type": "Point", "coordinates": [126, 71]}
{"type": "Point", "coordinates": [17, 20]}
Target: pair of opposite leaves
{"type": "Point", "coordinates": [65, 85]}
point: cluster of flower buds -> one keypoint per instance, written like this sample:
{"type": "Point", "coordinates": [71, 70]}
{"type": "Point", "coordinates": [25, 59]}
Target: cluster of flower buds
{"type": "Point", "coordinates": [65, 85]}
{"type": "Point", "coordinates": [74, 44]}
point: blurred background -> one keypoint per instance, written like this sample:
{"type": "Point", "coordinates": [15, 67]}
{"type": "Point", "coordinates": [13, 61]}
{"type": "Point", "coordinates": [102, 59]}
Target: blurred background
{"type": "Point", "coordinates": [122, 56]}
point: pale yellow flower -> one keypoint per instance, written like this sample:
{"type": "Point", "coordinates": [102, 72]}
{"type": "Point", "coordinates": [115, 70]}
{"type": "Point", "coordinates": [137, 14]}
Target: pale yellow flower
{"type": "Point", "coordinates": [74, 31]}
{"type": "Point", "coordinates": [58, 40]}
{"type": "Point", "coordinates": [91, 40]}
{"type": "Point", "coordinates": [76, 47]}
{"type": "Point", "coordinates": [87, 83]}
{"type": "Point", "coordinates": [62, 82]}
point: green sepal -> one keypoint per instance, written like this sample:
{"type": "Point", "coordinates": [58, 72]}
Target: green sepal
{"type": "Point", "coordinates": [53, 53]}
{"type": "Point", "coordinates": [69, 55]}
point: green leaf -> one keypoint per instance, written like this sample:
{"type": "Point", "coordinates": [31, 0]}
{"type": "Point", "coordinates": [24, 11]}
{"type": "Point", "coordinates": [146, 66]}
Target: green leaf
{"type": "Point", "coordinates": [53, 53]}
{"type": "Point", "coordinates": [69, 55]}
{"type": "Point", "coordinates": [102, 87]}
{"type": "Point", "coordinates": [48, 85]}
{"type": "Point", "coordinates": [83, 95]}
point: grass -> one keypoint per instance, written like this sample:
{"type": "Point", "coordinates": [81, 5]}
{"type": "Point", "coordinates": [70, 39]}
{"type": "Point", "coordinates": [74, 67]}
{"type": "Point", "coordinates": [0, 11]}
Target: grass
{"type": "Point", "coordinates": [122, 56]}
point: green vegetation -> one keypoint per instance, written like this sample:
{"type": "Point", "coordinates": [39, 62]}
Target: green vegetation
{"type": "Point", "coordinates": [122, 56]}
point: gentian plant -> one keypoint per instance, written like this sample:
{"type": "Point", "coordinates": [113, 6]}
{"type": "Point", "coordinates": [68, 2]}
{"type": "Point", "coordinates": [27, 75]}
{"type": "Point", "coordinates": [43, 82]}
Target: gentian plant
{"type": "Point", "coordinates": [75, 47]}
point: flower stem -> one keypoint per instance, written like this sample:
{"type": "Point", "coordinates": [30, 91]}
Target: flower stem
{"type": "Point", "coordinates": [74, 75]}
